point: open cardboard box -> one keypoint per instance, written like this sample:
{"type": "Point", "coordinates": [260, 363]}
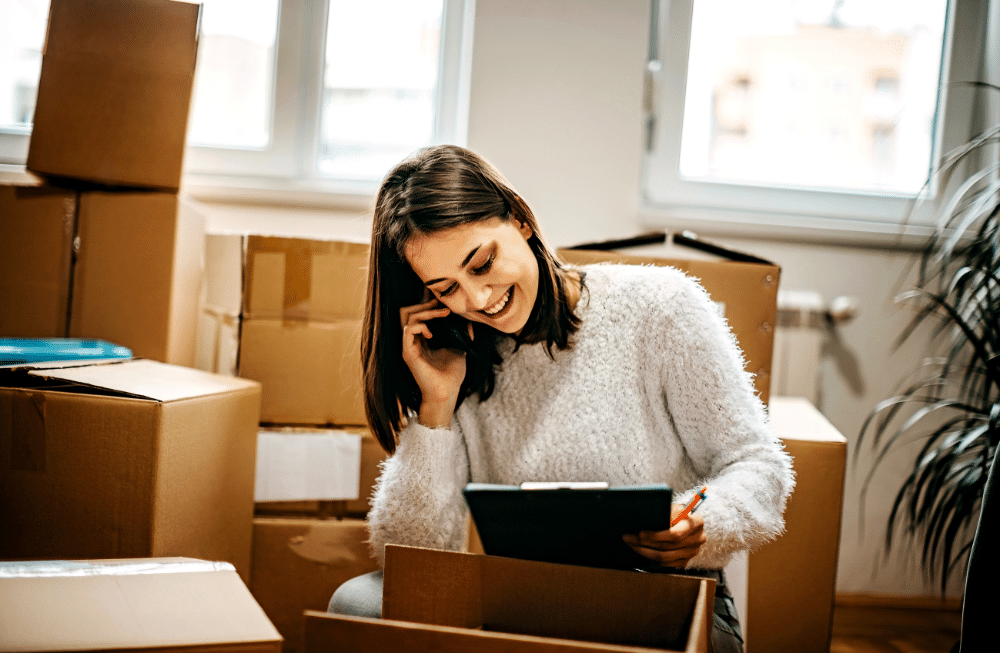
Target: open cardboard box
{"type": "Point", "coordinates": [448, 601]}
{"type": "Point", "coordinates": [118, 266]}
{"type": "Point", "coordinates": [170, 605]}
{"type": "Point", "coordinates": [126, 459]}
{"type": "Point", "coordinates": [114, 92]}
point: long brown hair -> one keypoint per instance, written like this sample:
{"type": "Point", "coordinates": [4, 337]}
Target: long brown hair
{"type": "Point", "coordinates": [439, 188]}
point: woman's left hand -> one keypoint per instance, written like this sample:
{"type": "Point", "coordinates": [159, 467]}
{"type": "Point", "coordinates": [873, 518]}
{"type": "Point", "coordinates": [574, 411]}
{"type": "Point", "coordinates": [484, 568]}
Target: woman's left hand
{"type": "Point", "coordinates": [674, 547]}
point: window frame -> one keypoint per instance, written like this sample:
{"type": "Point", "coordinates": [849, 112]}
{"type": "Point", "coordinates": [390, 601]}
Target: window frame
{"type": "Point", "coordinates": [720, 207]}
{"type": "Point", "coordinates": [286, 170]}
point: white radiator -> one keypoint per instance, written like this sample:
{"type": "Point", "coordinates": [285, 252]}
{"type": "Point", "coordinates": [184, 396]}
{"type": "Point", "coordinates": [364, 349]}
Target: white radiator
{"type": "Point", "coordinates": [803, 322]}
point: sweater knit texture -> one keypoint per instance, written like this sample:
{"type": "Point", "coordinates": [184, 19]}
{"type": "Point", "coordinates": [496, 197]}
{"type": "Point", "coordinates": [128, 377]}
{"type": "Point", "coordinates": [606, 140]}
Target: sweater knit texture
{"type": "Point", "coordinates": [652, 391]}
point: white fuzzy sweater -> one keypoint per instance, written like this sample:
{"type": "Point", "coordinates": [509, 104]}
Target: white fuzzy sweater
{"type": "Point", "coordinates": [653, 391]}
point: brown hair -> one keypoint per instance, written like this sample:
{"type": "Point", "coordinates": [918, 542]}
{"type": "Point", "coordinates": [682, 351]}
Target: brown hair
{"type": "Point", "coordinates": [439, 188]}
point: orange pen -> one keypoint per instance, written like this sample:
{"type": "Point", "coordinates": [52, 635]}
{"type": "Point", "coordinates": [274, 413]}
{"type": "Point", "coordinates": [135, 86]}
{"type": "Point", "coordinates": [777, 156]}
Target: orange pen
{"type": "Point", "coordinates": [695, 502]}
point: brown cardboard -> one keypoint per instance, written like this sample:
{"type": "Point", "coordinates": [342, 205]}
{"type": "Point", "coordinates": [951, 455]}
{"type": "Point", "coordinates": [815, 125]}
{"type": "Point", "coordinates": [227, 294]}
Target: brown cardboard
{"type": "Point", "coordinates": [114, 91]}
{"type": "Point", "coordinates": [298, 563]}
{"type": "Point", "coordinates": [748, 293]}
{"type": "Point", "coordinates": [287, 312]}
{"type": "Point", "coordinates": [37, 223]}
{"type": "Point", "coordinates": [475, 602]}
{"type": "Point", "coordinates": [792, 580]}
{"type": "Point", "coordinates": [123, 267]}
{"type": "Point", "coordinates": [167, 604]}
{"type": "Point", "coordinates": [138, 272]}
{"type": "Point", "coordinates": [310, 371]}
{"type": "Point", "coordinates": [127, 459]}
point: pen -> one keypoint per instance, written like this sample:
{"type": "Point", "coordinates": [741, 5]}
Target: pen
{"type": "Point", "coordinates": [691, 507]}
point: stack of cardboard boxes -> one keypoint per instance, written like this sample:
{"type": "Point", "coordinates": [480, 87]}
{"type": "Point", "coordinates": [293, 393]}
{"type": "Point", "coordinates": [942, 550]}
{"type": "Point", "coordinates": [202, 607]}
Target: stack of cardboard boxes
{"type": "Point", "coordinates": [97, 243]}
{"type": "Point", "coordinates": [141, 458]}
{"type": "Point", "coordinates": [287, 312]}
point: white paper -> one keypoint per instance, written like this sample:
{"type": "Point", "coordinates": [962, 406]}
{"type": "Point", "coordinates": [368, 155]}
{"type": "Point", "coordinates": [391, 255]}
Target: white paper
{"type": "Point", "coordinates": [313, 466]}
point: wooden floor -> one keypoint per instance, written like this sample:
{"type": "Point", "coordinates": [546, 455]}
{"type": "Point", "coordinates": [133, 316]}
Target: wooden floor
{"type": "Point", "coordinates": [858, 629]}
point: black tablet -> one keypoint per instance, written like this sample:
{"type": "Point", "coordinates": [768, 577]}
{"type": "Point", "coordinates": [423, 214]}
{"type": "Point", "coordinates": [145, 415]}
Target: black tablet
{"type": "Point", "coordinates": [569, 523]}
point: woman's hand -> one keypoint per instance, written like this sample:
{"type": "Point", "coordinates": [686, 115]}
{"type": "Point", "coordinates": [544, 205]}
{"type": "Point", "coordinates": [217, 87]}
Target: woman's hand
{"type": "Point", "coordinates": [674, 547]}
{"type": "Point", "coordinates": [438, 372]}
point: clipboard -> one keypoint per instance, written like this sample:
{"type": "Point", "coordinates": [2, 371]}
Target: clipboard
{"type": "Point", "coordinates": [568, 523]}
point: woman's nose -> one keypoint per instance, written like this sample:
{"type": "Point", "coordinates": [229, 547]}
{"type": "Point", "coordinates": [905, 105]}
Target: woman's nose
{"type": "Point", "coordinates": [479, 295]}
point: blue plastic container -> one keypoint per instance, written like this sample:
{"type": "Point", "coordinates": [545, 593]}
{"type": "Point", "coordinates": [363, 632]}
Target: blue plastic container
{"type": "Point", "coordinates": [25, 351]}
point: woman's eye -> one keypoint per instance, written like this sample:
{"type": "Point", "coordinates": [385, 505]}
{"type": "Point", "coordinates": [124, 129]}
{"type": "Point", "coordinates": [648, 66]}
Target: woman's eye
{"type": "Point", "coordinates": [485, 266]}
{"type": "Point", "coordinates": [449, 290]}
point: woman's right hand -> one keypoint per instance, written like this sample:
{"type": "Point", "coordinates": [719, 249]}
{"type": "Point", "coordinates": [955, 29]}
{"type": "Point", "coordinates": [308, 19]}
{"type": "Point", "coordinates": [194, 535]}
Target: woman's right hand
{"type": "Point", "coordinates": [438, 372]}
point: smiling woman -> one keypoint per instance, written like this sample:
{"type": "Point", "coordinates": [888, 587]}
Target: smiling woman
{"type": "Point", "coordinates": [613, 373]}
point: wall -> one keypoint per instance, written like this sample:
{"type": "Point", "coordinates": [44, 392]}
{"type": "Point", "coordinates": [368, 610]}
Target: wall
{"type": "Point", "coordinates": [556, 104]}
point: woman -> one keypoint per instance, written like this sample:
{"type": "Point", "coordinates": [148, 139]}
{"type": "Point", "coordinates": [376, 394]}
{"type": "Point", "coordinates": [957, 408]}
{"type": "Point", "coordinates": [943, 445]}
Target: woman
{"type": "Point", "coordinates": [613, 373]}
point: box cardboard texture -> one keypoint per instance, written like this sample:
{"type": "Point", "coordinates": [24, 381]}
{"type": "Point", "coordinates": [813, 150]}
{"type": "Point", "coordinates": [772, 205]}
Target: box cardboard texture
{"type": "Point", "coordinates": [287, 312]}
{"type": "Point", "coordinates": [164, 604]}
{"type": "Point", "coordinates": [748, 293]}
{"type": "Point", "coordinates": [792, 580]}
{"type": "Point", "coordinates": [114, 92]}
{"type": "Point", "coordinates": [127, 459]}
{"type": "Point", "coordinates": [298, 563]}
{"type": "Point", "coordinates": [118, 266]}
{"type": "Point", "coordinates": [447, 601]}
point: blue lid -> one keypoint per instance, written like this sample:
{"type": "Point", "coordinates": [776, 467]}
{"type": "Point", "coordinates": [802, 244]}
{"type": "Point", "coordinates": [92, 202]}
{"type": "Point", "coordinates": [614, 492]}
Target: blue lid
{"type": "Point", "coordinates": [23, 351]}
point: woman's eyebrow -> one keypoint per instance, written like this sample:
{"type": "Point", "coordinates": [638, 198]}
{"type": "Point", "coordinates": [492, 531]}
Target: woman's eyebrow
{"type": "Point", "coordinates": [465, 262]}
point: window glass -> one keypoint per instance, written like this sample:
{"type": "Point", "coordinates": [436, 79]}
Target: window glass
{"type": "Point", "coordinates": [823, 94]}
{"type": "Point", "coordinates": [234, 84]}
{"type": "Point", "coordinates": [22, 34]}
{"type": "Point", "coordinates": [380, 84]}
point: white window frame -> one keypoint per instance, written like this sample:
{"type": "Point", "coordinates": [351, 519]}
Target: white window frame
{"type": "Point", "coordinates": [286, 171]}
{"type": "Point", "coordinates": [746, 210]}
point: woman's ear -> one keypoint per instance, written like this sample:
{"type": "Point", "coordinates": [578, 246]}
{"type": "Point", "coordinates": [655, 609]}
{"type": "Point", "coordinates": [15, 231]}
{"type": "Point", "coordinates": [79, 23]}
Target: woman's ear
{"type": "Point", "coordinates": [525, 229]}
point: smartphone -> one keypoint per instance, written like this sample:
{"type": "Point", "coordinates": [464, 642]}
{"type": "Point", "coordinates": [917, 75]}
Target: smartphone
{"type": "Point", "coordinates": [451, 332]}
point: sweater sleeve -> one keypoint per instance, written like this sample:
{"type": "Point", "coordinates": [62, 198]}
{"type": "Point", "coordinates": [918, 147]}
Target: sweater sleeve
{"type": "Point", "coordinates": [722, 425]}
{"type": "Point", "coordinates": [417, 500]}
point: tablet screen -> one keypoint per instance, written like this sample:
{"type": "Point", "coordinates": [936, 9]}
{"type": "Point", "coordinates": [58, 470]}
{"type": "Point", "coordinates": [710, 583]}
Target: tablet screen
{"type": "Point", "coordinates": [567, 523]}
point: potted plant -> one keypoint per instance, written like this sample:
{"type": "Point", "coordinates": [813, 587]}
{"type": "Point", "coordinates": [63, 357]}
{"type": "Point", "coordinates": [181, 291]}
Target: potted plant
{"type": "Point", "coordinates": [952, 402]}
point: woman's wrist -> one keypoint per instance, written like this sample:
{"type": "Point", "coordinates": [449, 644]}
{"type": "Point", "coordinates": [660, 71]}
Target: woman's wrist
{"type": "Point", "coordinates": [436, 414]}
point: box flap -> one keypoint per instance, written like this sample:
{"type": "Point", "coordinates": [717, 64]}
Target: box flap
{"type": "Point", "coordinates": [138, 604]}
{"type": "Point", "coordinates": [795, 418]}
{"type": "Point", "coordinates": [147, 379]}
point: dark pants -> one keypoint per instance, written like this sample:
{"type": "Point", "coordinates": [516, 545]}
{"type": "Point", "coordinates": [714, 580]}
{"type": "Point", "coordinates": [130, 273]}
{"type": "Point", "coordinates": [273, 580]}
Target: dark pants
{"type": "Point", "coordinates": [362, 597]}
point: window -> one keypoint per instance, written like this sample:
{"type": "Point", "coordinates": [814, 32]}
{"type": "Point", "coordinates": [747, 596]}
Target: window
{"type": "Point", "coordinates": [290, 97]}
{"type": "Point", "coordinates": [822, 116]}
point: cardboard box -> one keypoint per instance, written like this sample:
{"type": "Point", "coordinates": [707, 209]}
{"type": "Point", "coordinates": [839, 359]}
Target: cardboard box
{"type": "Point", "coordinates": [114, 91]}
{"type": "Point", "coordinates": [747, 294]}
{"type": "Point", "coordinates": [287, 312]}
{"type": "Point", "coordinates": [126, 459]}
{"type": "Point", "coordinates": [290, 469]}
{"type": "Point", "coordinates": [167, 604]}
{"type": "Point", "coordinates": [299, 563]}
{"type": "Point", "coordinates": [792, 581]}
{"type": "Point", "coordinates": [123, 267]}
{"type": "Point", "coordinates": [442, 600]}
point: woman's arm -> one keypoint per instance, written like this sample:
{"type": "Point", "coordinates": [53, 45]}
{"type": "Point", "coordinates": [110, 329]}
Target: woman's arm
{"type": "Point", "coordinates": [418, 498]}
{"type": "Point", "coordinates": [722, 425]}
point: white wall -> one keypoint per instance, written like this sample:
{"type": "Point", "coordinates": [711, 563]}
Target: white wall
{"type": "Point", "coordinates": [556, 106]}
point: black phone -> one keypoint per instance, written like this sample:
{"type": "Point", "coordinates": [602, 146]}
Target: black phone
{"type": "Point", "coordinates": [451, 332]}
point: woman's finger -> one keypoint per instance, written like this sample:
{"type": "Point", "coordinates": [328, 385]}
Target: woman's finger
{"type": "Point", "coordinates": [668, 558]}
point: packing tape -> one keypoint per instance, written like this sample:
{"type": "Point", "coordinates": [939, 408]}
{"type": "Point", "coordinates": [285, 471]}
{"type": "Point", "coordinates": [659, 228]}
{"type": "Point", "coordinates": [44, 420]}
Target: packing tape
{"type": "Point", "coordinates": [60, 568]}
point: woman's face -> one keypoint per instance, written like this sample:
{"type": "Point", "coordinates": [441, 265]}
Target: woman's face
{"type": "Point", "coordinates": [483, 271]}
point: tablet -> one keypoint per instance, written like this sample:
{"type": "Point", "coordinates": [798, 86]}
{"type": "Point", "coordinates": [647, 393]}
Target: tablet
{"type": "Point", "coordinates": [569, 523]}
